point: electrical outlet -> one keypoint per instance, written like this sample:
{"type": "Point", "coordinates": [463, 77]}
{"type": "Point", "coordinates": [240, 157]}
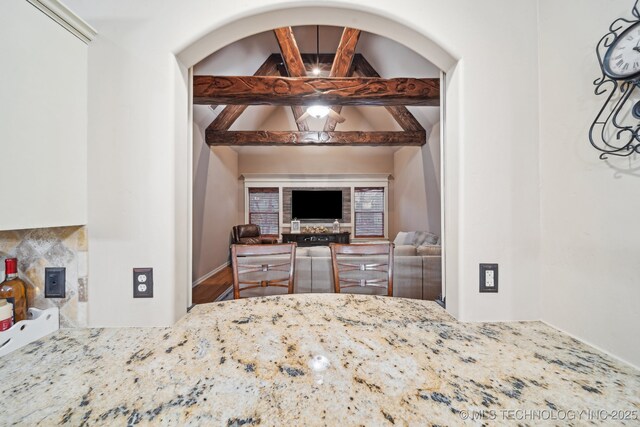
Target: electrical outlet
{"type": "Point", "coordinates": [489, 278]}
{"type": "Point", "coordinates": [54, 282]}
{"type": "Point", "coordinates": [143, 282]}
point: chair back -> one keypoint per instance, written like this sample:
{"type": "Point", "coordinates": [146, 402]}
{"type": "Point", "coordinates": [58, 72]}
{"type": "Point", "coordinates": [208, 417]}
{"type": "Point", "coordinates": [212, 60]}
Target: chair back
{"type": "Point", "coordinates": [246, 234]}
{"type": "Point", "coordinates": [261, 266]}
{"type": "Point", "coordinates": [362, 266]}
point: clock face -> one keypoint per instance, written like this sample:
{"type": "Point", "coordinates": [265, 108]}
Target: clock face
{"type": "Point", "coordinates": [622, 60]}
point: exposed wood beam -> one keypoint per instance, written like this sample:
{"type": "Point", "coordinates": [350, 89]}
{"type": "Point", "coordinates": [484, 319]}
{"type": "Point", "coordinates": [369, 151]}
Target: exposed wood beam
{"type": "Point", "coordinates": [401, 114]}
{"type": "Point", "coordinates": [295, 66]}
{"type": "Point", "coordinates": [341, 66]}
{"type": "Point", "coordinates": [290, 52]}
{"type": "Point", "coordinates": [258, 90]}
{"type": "Point", "coordinates": [315, 138]}
{"type": "Point", "coordinates": [230, 113]}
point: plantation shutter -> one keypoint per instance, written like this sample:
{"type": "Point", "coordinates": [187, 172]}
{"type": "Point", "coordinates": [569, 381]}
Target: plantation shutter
{"type": "Point", "coordinates": [369, 212]}
{"type": "Point", "coordinates": [264, 206]}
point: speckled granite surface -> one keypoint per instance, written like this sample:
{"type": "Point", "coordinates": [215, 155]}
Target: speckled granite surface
{"type": "Point", "coordinates": [260, 362]}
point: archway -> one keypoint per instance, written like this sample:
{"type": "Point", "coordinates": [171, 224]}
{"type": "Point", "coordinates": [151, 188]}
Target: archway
{"type": "Point", "coordinates": [279, 16]}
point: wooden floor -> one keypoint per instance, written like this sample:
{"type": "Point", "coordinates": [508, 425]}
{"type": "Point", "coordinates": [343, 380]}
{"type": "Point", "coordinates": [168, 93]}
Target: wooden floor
{"type": "Point", "coordinates": [213, 287]}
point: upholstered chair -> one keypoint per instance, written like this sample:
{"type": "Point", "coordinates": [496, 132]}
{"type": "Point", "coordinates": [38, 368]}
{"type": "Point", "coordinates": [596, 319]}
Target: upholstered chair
{"type": "Point", "coordinates": [249, 234]}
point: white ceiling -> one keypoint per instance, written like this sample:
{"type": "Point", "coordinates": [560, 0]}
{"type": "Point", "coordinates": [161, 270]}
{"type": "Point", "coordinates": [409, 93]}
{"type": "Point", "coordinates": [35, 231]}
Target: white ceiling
{"type": "Point", "coordinates": [245, 56]}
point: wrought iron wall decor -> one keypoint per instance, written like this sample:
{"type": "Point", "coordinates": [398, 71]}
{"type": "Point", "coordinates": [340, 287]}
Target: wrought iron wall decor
{"type": "Point", "coordinates": [616, 130]}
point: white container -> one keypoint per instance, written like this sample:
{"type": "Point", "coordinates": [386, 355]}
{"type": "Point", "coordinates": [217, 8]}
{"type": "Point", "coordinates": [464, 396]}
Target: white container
{"type": "Point", "coordinates": [38, 324]}
{"type": "Point", "coordinates": [6, 315]}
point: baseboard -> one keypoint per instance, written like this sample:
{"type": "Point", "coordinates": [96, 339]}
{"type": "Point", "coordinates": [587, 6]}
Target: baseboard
{"type": "Point", "coordinates": [209, 274]}
{"type": "Point", "coordinates": [590, 344]}
{"type": "Point", "coordinates": [224, 294]}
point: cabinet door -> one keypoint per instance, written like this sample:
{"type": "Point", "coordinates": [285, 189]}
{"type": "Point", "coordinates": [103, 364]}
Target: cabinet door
{"type": "Point", "coordinates": [43, 109]}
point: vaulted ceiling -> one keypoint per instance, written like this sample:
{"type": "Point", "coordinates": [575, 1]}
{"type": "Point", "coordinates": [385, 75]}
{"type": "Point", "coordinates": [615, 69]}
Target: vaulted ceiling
{"type": "Point", "coordinates": [385, 93]}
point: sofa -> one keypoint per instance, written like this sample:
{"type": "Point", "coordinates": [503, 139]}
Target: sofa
{"type": "Point", "coordinates": [417, 272]}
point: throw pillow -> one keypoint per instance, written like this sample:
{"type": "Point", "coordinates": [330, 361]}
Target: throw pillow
{"type": "Point", "coordinates": [404, 238]}
{"type": "Point", "coordinates": [425, 238]}
{"type": "Point", "coordinates": [400, 238]}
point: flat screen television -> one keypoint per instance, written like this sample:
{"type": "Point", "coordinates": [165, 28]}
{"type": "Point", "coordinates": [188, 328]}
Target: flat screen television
{"type": "Point", "coordinates": [318, 205]}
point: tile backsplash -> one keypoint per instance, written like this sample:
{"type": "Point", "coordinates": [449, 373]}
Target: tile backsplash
{"type": "Point", "coordinates": [52, 247]}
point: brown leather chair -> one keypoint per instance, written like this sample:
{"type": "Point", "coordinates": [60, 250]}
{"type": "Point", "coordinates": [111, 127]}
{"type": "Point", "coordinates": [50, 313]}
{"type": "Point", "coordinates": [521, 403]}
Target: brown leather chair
{"type": "Point", "coordinates": [249, 234]}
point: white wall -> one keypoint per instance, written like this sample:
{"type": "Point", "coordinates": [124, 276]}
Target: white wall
{"type": "Point", "coordinates": [215, 204]}
{"type": "Point", "coordinates": [138, 138]}
{"type": "Point", "coordinates": [417, 202]}
{"type": "Point", "coordinates": [589, 207]}
{"type": "Point", "coordinates": [43, 121]}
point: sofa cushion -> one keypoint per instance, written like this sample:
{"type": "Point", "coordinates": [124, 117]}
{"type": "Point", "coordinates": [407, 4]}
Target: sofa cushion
{"type": "Point", "coordinates": [302, 252]}
{"type": "Point", "coordinates": [425, 238]}
{"type": "Point", "coordinates": [404, 250]}
{"type": "Point", "coordinates": [407, 277]}
{"type": "Point", "coordinates": [431, 277]}
{"type": "Point", "coordinates": [321, 275]}
{"type": "Point", "coordinates": [429, 250]}
{"type": "Point", "coordinates": [319, 251]}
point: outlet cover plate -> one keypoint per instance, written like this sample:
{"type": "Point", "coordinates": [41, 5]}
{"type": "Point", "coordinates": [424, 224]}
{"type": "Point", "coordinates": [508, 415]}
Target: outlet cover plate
{"type": "Point", "coordinates": [484, 286]}
{"type": "Point", "coordinates": [143, 282]}
{"type": "Point", "coordinates": [54, 282]}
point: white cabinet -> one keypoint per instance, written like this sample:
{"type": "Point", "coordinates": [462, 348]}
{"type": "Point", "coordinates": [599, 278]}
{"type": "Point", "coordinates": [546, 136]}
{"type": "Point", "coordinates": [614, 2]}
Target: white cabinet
{"type": "Point", "coordinates": [43, 119]}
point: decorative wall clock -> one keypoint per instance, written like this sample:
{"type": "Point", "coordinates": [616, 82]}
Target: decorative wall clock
{"type": "Point", "coordinates": [616, 129]}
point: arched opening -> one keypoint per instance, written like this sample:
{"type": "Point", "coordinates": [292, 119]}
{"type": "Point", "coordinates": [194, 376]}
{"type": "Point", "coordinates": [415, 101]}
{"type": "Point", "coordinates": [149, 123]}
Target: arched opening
{"type": "Point", "coordinates": [419, 43]}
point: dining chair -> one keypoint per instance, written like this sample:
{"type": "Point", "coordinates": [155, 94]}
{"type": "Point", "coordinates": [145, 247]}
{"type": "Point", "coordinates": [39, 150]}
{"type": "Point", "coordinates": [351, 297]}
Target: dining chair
{"type": "Point", "coordinates": [361, 266]}
{"type": "Point", "coordinates": [275, 267]}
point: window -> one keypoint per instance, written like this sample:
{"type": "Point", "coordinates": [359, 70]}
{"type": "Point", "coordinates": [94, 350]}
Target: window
{"type": "Point", "coordinates": [264, 206]}
{"type": "Point", "coordinates": [369, 212]}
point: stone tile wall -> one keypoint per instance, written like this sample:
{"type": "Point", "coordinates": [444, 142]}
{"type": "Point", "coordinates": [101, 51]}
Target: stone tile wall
{"type": "Point", "coordinates": [52, 247]}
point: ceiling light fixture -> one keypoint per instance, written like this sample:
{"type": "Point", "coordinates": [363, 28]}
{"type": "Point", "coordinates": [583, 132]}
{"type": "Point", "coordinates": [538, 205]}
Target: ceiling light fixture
{"type": "Point", "coordinates": [318, 111]}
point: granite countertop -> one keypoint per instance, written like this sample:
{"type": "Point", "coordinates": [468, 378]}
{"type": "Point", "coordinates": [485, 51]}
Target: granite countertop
{"type": "Point", "coordinates": [314, 359]}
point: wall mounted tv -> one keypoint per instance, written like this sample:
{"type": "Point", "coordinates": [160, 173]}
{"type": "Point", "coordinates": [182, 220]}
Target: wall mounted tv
{"type": "Point", "coordinates": [317, 205]}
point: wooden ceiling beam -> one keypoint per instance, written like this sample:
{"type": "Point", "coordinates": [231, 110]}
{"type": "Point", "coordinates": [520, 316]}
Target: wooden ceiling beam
{"type": "Point", "coordinates": [294, 65]}
{"type": "Point", "coordinates": [401, 114]}
{"type": "Point", "coordinates": [267, 138]}
{"type": "Point", "coordinates": [258, 90]}
{"type": "Point", "coordinates": [230, 113]}
{"type": "Point", "coordinates": [341, 66]}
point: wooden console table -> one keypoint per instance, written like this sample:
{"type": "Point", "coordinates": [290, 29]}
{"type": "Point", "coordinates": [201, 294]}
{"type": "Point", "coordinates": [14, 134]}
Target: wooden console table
{"type": "Point", "coordinates": [316, 239]}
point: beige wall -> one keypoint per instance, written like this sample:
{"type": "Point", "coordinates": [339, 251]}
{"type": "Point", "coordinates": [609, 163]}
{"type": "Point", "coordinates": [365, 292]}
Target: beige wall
{"type": "Point", "coordinates": [215, 204]}
{"type": "Point", "coordinates": [416, 197]}
{"type": "Point", "coordinates": [314, 160]}
{"type": "Point", "coordinates": [139, 152]}
{"type": "Point", "coordinates": [589, 207]}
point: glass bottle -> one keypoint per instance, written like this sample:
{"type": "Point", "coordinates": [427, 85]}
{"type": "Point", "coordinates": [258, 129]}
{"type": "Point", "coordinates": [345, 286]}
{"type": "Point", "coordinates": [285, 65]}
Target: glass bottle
{"type": "Point", "coordinates": [336, 226]}
{"type": "Point", "coordinates": [14, 290]}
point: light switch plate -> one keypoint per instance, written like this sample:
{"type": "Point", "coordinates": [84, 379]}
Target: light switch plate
{"type": "Point", "coordinates": [54, 282]}
{"type": "Point", "coordinates": [489, 278]}
{"type": "Point", "coordinates": [143, 282]}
